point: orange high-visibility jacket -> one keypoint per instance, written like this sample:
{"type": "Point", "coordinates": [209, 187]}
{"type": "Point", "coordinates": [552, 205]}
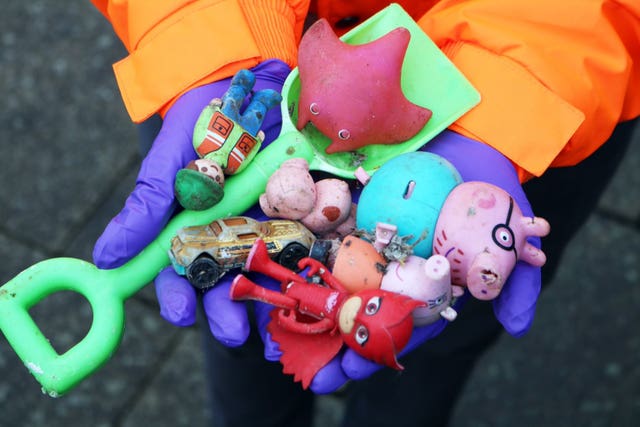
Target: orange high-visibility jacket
{"type": "Point", "coordinates": [555, 76]}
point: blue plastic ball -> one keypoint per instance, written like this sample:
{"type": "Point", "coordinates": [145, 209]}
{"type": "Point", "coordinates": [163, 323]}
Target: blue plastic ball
{"type": "Point", "coordinates": [408, 191]}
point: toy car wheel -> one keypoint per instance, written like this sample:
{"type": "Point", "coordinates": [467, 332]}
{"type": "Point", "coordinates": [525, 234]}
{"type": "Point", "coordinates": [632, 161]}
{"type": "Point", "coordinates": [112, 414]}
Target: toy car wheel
{"type": "Point", "coordinates": [203, 272]}
{"type": "Point", "coordinates": [291, 254]}
{"type": "Point", "coordinates": [320, 250]}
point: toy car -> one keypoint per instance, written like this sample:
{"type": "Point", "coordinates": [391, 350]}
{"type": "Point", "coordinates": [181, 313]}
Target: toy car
{"type": "Point", "coordinates": [205, 253]}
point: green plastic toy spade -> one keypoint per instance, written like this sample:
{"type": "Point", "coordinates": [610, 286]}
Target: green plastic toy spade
{"type": "Point", "coordinates": [428, 79]}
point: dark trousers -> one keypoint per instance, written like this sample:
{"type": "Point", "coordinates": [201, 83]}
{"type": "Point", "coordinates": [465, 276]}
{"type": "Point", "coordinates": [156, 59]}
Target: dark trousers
{"type": "Point", "coordinates": [246, 390]}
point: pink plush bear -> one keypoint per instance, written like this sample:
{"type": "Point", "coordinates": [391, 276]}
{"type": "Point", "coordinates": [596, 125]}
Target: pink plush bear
{"type": "Point", "coordinates": [324, 207]}
{"type": "Point", "coordinates": [482, 232]}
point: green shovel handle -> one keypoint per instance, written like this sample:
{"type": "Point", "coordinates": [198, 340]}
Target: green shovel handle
{"type": "Point", "coordinates": [107, 290]}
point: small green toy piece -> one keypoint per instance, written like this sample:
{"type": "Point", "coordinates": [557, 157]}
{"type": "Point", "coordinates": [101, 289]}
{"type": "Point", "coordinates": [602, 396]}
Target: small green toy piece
{"type": "Point", "coordinates": [225, 140]}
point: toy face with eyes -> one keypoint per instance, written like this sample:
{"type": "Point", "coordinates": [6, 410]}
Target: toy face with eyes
{"type": "Point", "coordinates": [208, 168]}
{"type": "Point", "coordinates": [352, 93]}
{"type": "Point", "coordinates": [312, 321]}
{"type": "Point", "coordinates": [376, 324]}
{"type": "Point", "coordinates": [482, 232]}
{"type": "Point", "coordinates": [427, 280]}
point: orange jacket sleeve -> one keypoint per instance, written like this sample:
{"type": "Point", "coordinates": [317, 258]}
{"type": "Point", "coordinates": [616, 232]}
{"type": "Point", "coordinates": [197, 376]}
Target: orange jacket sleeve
{"type": "Point", "coordinates": [555, 76]}
{"type": "Point", "coordinates": [175, 45]}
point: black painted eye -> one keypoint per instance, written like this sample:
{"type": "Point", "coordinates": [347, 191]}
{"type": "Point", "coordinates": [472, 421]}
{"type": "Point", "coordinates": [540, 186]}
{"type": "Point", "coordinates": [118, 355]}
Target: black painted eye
{"type": "Point", "coordinates": [362, 335]}
{"type": "Point", "coordinates": [344, 134]}
{"type": "Point", "coordinates": [437, 301]}
{"type": "Point", "coordinates": [503, 237]}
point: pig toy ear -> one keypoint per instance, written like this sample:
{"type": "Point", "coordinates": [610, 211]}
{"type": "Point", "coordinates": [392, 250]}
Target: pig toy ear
{"type": "Point", "coordinates": [533, 255]}
{"type": "Point", "coordinates": [537, 227]}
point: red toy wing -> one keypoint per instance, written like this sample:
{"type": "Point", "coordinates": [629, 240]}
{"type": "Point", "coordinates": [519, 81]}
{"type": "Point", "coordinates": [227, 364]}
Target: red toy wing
{"type": "Point", "coordinates": [303, 355]}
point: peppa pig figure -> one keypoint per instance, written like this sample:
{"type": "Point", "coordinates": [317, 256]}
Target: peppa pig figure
{"type": "Point", "coordinates": [324, 207]}
{"type": "Point", "coordinates": [427, 280]}
{"type": "Point", "coordinates": [482, 232]}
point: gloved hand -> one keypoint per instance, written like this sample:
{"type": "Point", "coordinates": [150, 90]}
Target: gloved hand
{"type": "Point", "coordinates": [228, 320]}
{"type": "Point", "coordinates": [514, 307]}
{"type": "Point", "coordinates": [152, 203]}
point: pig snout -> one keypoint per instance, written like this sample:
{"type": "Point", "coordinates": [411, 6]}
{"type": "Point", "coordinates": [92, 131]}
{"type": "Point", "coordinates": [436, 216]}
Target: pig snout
{"type": "Point", "coordinates": [485, 277]}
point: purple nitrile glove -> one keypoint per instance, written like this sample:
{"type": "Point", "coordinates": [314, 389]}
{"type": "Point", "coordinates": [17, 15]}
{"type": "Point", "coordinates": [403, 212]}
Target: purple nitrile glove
{"type": "Point", "coordinates": [515, 306]}
{"type": "Point", "coordinates": [152, 203]}
{"type": "Point", "coordinates": [228, 320]}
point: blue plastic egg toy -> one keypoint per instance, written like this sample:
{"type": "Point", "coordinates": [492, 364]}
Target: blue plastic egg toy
{"type": "Point", "coordinates": [408, 191]}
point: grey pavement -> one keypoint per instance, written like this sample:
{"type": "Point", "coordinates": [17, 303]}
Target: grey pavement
{"type": "Point", "coordinates": [68, 158]}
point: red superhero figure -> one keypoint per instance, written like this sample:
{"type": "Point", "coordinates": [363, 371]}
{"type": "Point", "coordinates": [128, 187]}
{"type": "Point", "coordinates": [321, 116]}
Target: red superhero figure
{"type": "Point", "coordinates": [312, 321]}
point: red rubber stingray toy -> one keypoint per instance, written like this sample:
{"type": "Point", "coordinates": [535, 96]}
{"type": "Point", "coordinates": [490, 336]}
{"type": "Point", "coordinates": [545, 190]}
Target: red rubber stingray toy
{"type": "Point", "coordinates": [312, 321]}
{"type": "Point", "coordinates": [352, 93]}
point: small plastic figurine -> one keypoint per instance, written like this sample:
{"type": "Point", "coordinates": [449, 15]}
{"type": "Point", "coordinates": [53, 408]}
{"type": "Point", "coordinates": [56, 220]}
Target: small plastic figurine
{"type": "Point", "coordinates": [352, 93]}
{"type": "Point", "coordinates": [312, 321]}
{"type": "Point", "coordinates": [427, 280]}
{"type": "Point", "coordinates": [225, 140]}
{"type": "Point", "coordinates": [408, 191]}
{"type": "Point", "coordinates": [482, 232]}
{"type": "Point", "coordinates": [324, 207]}
{"type": "Point", "coordinates": [398, 270]}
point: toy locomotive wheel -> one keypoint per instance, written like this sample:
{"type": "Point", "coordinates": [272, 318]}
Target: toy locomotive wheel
{"type": "Point", "coordinates": [203, 272]}
{"type": "Point", "coordinates": [291, 254]}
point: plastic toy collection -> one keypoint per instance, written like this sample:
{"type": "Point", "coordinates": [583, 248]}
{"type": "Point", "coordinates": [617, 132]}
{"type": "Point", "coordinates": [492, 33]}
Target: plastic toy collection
{"type": "Point", "coordinates": [361, 275]}
{"type": "Point", "coordinates": [372, 302]}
